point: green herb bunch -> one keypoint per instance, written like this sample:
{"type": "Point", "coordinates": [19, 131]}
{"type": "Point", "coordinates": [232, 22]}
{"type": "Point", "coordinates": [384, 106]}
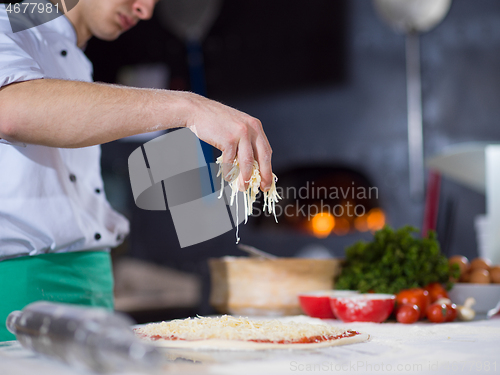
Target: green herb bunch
{"type": "Point", "coordinates": [393, 261]}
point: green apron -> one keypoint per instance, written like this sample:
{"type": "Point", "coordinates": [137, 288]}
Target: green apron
{"type": "Point", "coordinates": [83, 278]}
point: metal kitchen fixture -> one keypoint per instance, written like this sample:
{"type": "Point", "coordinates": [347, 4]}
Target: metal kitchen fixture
{"type": "Point", "coordinates": [412, 17]}
{"type": "Point", "coordinates": [191, 20]}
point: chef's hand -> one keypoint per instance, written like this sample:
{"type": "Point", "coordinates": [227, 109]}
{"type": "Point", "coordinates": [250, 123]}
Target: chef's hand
{"type": "Point", "coordinates": [60, 113]}
{"type": "Point", "coordinates": [234, 133]}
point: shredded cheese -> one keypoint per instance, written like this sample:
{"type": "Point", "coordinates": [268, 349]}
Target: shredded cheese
{"type": "Point", "coordinates": [271, 197]}
{"type": "Point", "coordinates": [228, 327]}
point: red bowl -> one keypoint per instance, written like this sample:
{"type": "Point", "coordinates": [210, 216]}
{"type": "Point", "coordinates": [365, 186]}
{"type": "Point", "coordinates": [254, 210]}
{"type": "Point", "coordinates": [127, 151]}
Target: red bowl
{"type": "Point", "coordinates": [369, 307]}
{"type": "Point", "coordinates": [316, 304]}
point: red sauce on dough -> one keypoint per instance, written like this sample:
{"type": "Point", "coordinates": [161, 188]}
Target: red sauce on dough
{"type": "Point", "coordinates": [312, 339]}
{"type": "Point", "coordinates": [305, 340]}
{"type": "Point", "coordinates": [158, 337]}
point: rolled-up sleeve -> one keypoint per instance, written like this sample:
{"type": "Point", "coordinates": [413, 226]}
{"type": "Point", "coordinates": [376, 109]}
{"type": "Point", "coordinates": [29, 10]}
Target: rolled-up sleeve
{"type": "Point", "coordinates": [16, 62]}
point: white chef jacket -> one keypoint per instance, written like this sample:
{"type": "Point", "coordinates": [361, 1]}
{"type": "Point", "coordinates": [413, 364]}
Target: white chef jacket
{"type": "Point", "coordinates": [51, 199]}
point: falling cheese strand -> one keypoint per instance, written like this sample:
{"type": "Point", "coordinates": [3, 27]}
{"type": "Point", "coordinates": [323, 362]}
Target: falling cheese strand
{"type": "Point", "coordinates": [271, 197]}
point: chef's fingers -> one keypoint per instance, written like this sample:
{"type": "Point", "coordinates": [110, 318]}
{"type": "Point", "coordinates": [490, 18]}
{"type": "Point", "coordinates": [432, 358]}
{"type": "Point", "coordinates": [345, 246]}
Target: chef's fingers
{"type": "Point", "coordinates": [228, 157]}
{"type": "Point", "coordinates": [263, 153]}
{"type": "Point", "coordinates": [245, 158]}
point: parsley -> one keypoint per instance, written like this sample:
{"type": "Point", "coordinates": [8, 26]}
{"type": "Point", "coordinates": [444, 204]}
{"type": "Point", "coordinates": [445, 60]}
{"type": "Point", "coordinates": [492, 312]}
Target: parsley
{"type": "Point", "coordinates": [393, 261]}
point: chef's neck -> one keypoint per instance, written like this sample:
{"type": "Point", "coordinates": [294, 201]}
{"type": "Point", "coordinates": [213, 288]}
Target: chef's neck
{"type": "Point", "coordinates": [76, 19]}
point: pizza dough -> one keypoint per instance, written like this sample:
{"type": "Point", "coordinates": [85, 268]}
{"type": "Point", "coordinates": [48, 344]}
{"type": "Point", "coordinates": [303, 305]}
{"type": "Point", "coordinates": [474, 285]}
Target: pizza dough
{"type": "Point", "coordinates": [230, 333]}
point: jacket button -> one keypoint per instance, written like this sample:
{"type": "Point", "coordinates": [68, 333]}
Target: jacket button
{"type": "Point", "coordinates": [97, 236]}
{"type": "Point", "coordinates": [64, 53]}
{"type": "Point", "coordinates": [98, 191]}
{"type": "Point", "coordinates": [72, 177]}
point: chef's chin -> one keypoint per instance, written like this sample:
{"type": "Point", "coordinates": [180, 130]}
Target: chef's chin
{"type": "Point", "coordinates": [112, 33]}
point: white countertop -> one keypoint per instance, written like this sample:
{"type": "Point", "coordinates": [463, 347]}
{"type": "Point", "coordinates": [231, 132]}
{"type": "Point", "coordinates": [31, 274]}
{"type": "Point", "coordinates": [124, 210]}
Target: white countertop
{"type": "Point", "coordinates": [423, 348]}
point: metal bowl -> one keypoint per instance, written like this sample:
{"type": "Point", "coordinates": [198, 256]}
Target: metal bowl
{"type": "Point", "coordinates": [487, 296]}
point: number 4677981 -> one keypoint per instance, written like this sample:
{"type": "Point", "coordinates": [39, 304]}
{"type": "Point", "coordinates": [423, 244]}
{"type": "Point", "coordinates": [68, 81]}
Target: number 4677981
{"type": "Point", "coordinates": [32, 8]}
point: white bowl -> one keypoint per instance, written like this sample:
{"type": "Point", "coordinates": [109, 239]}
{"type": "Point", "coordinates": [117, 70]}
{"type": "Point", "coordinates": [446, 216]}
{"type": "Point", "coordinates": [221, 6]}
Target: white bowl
{"type": "Point", "coordinates": [487, 296]}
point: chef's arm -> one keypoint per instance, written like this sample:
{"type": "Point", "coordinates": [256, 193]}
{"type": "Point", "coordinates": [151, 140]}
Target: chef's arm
{"type": "Point", "coordinates": [67, 114]}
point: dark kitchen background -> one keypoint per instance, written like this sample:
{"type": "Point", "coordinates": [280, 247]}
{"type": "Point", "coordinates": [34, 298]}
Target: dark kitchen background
{"type": "Point", "coordinates": [328, 81]}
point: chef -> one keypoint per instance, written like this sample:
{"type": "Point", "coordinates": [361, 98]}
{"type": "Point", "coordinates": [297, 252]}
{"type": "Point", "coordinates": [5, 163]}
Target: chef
{"type": "Point", "coordinates": [56, 226]}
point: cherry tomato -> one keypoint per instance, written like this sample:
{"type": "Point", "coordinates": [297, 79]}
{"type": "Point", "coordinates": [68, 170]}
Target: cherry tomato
{"type": "Point", "coordinates": [414, 296]}
{"type": "Point", "coordinates": [436, 291]}
{"type": "Point", "coordinates": [451, 312]}
{"type": "Point", "coordinates": [407, 313]}
{"type": "Point", "coordinates": [436, 313]}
